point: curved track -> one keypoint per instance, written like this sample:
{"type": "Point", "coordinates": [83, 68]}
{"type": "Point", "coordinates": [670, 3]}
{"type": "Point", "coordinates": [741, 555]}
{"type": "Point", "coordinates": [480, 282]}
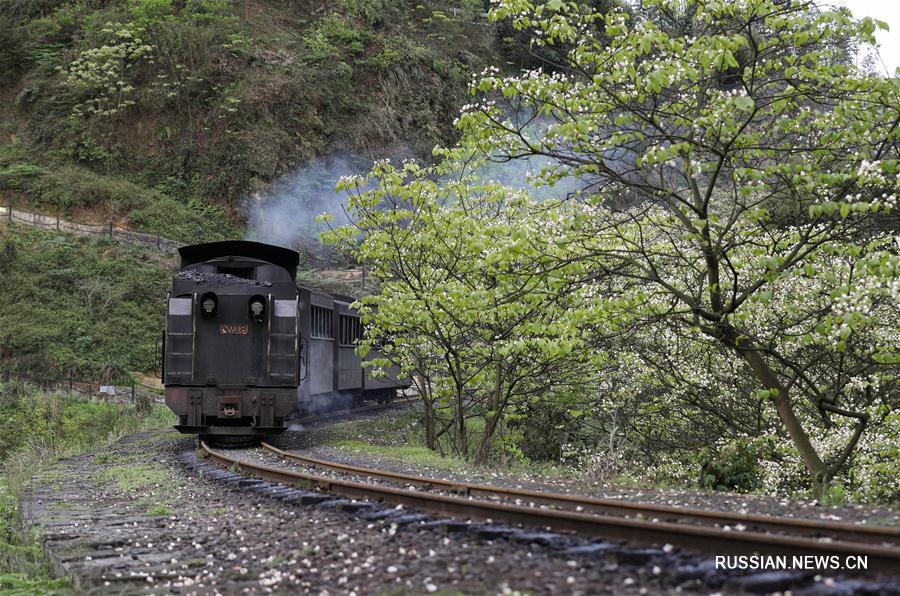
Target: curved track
{"type": "Point", "coordinates": [879, 547]}
{"type": "Point", "coordinates": [648, 511]}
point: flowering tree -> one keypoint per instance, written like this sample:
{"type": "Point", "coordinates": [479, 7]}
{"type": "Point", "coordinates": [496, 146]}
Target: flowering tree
{"type": "Point", "coordinates": [100, 77]}
{"type": "Point", "coordinates": [741, 174]}
{"type": "Point", "coordinates": [473, 299]}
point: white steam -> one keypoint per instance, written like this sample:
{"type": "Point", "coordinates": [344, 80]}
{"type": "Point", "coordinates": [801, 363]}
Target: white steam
{"type": "Point", "coordinates": [285, 214]}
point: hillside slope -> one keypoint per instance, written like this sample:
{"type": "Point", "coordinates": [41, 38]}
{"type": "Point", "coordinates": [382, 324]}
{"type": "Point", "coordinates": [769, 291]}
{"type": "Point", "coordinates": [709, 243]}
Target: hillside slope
{"type": "Point", "coordinates": [91, 308]}
{"type": "Point", "coordinates": [166, 114]}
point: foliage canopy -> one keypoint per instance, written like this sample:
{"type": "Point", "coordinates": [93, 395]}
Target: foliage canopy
{"type": "Point", "coordinates": [739, 176]}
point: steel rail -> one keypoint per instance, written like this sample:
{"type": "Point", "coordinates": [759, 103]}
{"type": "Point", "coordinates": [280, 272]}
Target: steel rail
{"type": "Point", "coordinates": [701, 538]}
{"type": "Point", "coordinates": [787, 525]}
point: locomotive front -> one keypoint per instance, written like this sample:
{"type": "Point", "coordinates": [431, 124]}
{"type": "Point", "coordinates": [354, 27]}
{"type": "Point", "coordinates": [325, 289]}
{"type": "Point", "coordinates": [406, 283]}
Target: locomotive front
{"type": "Point", "coordinates": [231, 349]}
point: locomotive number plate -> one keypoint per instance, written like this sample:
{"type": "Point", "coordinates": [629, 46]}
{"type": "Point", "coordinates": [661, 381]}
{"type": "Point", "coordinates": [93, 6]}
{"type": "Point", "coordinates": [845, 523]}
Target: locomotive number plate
{"type": "Point", "coordinates": [242, 329]}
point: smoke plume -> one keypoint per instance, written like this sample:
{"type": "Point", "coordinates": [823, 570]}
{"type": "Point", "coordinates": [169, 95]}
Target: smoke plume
{"type": "Point", "coordinates": [285, 214]}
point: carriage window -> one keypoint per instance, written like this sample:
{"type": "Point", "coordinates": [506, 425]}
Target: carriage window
{"type": "Point", "coordinates": [351, 330]}
{"type": "Point", "coordinates": [320, 323]}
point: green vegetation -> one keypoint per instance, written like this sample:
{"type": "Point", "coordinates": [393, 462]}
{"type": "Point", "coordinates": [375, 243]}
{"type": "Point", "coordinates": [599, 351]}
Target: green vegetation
{"type": "Point", "coordinates": [168, 114]}
{"type": "Point", "coordinates": [23, 566]}
{"type": "Point", "coordinates": [135, 477]}
{"type": "Point", "coordinates": [89, 307]}
{"type": "Point", "coordinates": [397, 436]}
{"type": "Point", "coordinates": [35, 429]}
{"type": "Point", "coordinates": [724, 277]}
{"type": "Point", "coordinates": [57, 424]}
{"type": "Point", "coordinates": [150, 483]}
{"type": "Point", "coordinates": [160, 510]}
{"type": "Point", "coordinates": [418, 455]}
{"type": "Point", "coordinates": [401, 437]}
{"type": "Point", "coordinates": [715, 305]}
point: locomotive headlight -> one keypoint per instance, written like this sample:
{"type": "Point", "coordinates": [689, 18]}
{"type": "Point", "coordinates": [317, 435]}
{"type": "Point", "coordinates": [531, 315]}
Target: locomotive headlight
{"type": "Point", "coordinates": [257, 308]}
{"type": "Point", "coordinates": [209, 304]}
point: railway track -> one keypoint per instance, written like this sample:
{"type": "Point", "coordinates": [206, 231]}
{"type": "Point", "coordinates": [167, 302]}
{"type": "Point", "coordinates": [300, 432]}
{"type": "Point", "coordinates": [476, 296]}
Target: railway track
{"type": "Point", "coordinates": [602, 518]}
{"type": "Point", "coordinates": [646, 511]}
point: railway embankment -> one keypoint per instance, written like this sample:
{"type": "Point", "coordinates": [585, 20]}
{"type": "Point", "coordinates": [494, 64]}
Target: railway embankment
{"type": "Point", "coordinates": [146, 514]}
{"type": "Point", "coordinates": [37, 428]}
{"type": "Point", "coordinates": [150, 513]}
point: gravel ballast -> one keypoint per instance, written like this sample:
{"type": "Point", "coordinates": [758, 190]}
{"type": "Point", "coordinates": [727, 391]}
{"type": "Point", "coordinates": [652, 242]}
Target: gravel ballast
{"type": "Point", "coordinates": [147, 514]}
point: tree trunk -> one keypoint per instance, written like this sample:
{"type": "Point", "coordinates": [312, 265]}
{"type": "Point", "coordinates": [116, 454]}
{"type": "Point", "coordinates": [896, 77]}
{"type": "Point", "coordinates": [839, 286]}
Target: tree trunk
{"type": "Point", "coordinates": [429, 423]}
{"type": "Point", "coordinates": [484, 449]}
{"type": "Point", "coordinates": [785, 409]}
{"type": "Point", "coordinates": [423, 385]}
{"type": "Point", "coordinates": [462, 438]}
{"type": "Point", "coordinates": [493, 417]}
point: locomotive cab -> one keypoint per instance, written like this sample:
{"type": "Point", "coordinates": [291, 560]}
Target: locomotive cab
{"type": "Point", "coordinates": [231, 349]}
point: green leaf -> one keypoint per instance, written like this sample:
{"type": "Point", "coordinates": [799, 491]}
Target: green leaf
{"type": "Point", "coordinates": [744, 103]}
{"type": "Point", "coordinates": [658, 79]}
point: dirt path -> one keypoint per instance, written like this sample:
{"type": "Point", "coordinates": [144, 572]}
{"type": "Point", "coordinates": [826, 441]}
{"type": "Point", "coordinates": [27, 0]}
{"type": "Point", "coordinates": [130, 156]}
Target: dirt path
{"type": "Point", "coordinates": [111, 231]}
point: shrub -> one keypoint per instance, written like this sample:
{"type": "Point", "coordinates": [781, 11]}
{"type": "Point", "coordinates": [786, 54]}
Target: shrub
{"type": "Point", "coordinates": [875, 475]}
{"type": "Point", "coordinates": [59, 423]}
{"type": "Point", "coordinates": [735, 466]}
{"type": "Point", "coordinates": [150, 12]}
{"type": "Point", "coordinates": [331, 36]}
{"type": "Point", "coordinates": [19, 176]}
{"type": "Point", "coordinates": [68, 188]}
{"type": "Point", "coordinates": [194, 221]}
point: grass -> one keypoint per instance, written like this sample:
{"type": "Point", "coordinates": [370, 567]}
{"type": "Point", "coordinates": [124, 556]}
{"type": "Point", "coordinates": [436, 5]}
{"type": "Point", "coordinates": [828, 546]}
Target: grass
{"type": "Point", "coordinates": [414, 454]}
{"type": "Point", "coordinates": [22, 583]}
{"type": "Point", "coordinates": [150, 481]}
{"type": "Point", "coordinates": [135, 477]}
{"type": "Point", "coordinates": [401, 437]}
{"type": "Point", "coordinates": [23, 564]}
{"type": "Point", "coordinates": [160, 510]}
{"type": "Point", "coordinates": [89, 307]}
{"type": "Point", "coordinates": [37, 428]}
{"type": "Point", "coordinates": [55, 424]}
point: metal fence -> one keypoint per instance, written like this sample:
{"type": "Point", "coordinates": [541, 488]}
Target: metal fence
{"type": "Point", "coordinates": [92, 389]}
{"type": "Point", "coordinates": [110, 230]}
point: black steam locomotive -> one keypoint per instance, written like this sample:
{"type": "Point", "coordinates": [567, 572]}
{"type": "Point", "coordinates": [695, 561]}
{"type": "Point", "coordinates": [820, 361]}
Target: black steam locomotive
{"type": "Point", "coordinates": [245, 348]}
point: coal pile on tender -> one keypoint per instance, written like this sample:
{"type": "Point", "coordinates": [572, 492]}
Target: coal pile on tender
{"type": "Point", "coordinates": [223, 279]}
